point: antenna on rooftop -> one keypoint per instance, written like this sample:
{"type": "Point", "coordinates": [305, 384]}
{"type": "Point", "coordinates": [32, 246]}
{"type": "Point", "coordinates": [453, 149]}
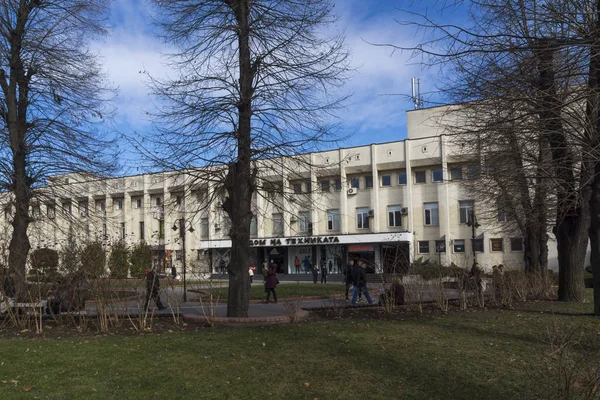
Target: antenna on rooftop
{"type": "Point", "coordinates": [416, 93]}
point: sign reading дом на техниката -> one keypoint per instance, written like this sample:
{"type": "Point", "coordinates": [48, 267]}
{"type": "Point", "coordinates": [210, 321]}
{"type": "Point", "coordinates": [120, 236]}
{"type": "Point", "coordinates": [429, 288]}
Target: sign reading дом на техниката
{"type": "Point", "coordinates": [301, 241]}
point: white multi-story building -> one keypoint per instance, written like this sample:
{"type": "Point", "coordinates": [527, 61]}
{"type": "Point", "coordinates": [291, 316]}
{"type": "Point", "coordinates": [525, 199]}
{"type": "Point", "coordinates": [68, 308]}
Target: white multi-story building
{"type": "Point", "coordinates": [388, 203]}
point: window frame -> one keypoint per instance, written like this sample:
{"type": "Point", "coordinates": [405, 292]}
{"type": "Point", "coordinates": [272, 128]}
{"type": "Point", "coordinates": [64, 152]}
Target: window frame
{"type": "Point", "coordinates": [325, 186]}
{"type": "Point", "coordinates": [297, 188]}
{"type": "Point", "coordinates": [423, 242]}
{"type": "Point", "coordinates": [512, 250]}
{"type": "Point", "coordinates": [480, 247]}
{"type": "Point", "coordinates": [277, 228]}
{"type": "Point", "coordinates": [465, 205]}
{"type": "Point", "coordinates": [400, 175]}
{"type": "Point", "coordinates": [362, 218]}
{"type": "Point", "coordinates": [383, 179]}
{"type": "Point", "coordinates": [424, 172]}
{"type": "Point", "coordinates": [455, 244]}
{"type": "Point", "coordinates": [437, 214]}
{"type": "Point", "coordinates": [368, 181]}
{"type": "Point", "coordinates": [355, 183]}
{"type": "Point", "coordinates": [303, 219]}
{"type": "Point", "coordinates": [142, 228]}
{"type": "Point", "coordinates": [395, 214]}
{"type": "Point", "coordinates": [333, 220]}
{"type": "Point", "coordinates": [438, 247]}
{"type": "Point", "coordinates": [452, 174]}
{"type": "Point", "coordinates": [204, 228]}
{"type": "Point", "coordinates": [496, 240]}
{"type": "Point", "coordinates": [441, 177]}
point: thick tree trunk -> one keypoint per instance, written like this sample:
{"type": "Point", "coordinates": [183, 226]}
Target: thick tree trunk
{"type": "Point", "coordinates": [19, 243]}
{"type": "Point", "coordinates": [595, 237]}
{"type": "Point", "coordinates": [239, 181]}
{"type": "Point", "coordinates": [532, 250]}
{"type": "Point", "coordinates": [572, 220]}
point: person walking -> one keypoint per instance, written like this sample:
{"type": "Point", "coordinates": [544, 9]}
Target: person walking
{"type": "Point", "coordinates": [264, 271]}
{"type": "Point", "coordinates": [153, 290]}
{"type": "Point", "coordinates": [359, 280]}
{"type": "Point", "coordinates": [348, 276]}
{"type": "Point", "coordinates": [271, 283]}
{"type": "Point", "coordinates": [324, 273]}
{"type": "Point", "coordinates": [315, 272]}
{"type": "Point", "coordinates": [251, 273]}
{"type": "Point", "coordinates": [297, 264]}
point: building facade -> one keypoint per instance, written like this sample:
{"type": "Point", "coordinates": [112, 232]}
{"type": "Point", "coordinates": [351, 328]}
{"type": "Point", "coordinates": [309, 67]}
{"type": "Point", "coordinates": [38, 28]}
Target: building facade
{"type": "Point", "coordinates": [388, 203]}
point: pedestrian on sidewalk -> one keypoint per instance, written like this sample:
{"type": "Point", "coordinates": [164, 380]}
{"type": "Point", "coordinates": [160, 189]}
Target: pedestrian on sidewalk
{"type": "Point", "coordinates": [359, 280]}
{"type": "Point", "coordinates": [323, 273]}
{"type": "Point", "coordinates": [153, 289]}
{"type": "Point", "coordinates": [251, 273]}
{"type": "Point", "coordinates": [315, 272]}
{"type": "Point", "coordinates": [271, 282]}
{"type": "Point", "coordinates": [348, 275]}
{"type": "Point", "coordinates": [297, 264]}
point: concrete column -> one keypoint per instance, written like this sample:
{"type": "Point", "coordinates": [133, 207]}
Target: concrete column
{"type": "Point", "coordinates": [285, 203]}
{"type": "Point", "coordinates": [447, 258]}
{"type": "Point", "coordinates": [409, 183]}
{"type": "Point", "coordinates": [375, 191]}
{"type": "Point", "coordinates": [147, 210]}
{"type": "Point", "coordinates": [314, 212]}
{"type": "Point", "coordinates": [343, 195]}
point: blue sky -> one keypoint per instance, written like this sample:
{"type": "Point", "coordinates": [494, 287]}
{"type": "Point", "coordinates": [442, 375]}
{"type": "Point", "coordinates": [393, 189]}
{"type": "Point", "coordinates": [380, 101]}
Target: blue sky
{"type": "Point", "coordinates": [380, 85]}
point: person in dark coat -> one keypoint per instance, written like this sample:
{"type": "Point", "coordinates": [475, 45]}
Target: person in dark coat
{"type": "Point", "coordinates": [315, 272]}
{"type": "Point", "coordinates": [324, 273]}
{"type": "Point", "coordinates": [348, 276]}
{"type": "Point", "coordinates": [271, 282]}
{"type": "Point", "coordinates": [152, 290]}
{"type": "Point", "coordinates": [174, 272]}
{"type": "Point", "coordinates": [359, 280]}
{"type": "Point", "coordinates": [394, 295]}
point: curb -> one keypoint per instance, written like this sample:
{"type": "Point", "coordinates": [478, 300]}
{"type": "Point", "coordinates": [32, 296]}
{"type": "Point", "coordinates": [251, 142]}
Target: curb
{"type": "Point", "coordinates": [300, 315]}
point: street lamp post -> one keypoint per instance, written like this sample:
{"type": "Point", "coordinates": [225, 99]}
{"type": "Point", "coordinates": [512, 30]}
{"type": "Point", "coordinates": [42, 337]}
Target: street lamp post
{"type": "Point", "coordinates": [472, 222]}
{"type": "Point", "coordinates": [182, 236]}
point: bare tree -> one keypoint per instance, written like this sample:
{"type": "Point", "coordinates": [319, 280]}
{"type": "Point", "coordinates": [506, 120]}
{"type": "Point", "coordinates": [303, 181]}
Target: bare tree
{"type": "Point", "coordinates": [532, 55]}
{"type": "Point", "coordinates": [53, 101]}
{"type": "Point", "coordinates": [257, 80]}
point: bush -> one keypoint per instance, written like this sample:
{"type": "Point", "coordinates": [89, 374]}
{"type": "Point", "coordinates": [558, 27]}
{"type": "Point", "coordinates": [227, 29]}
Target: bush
{"type": "Point", "coordinates": [118, 262]}
{"type": "Point", "coordinates": [140, 258]}
{"type": "Point", "coordinates": [44, 264]}
{"type": "Point", "coordinates": [93, 260]}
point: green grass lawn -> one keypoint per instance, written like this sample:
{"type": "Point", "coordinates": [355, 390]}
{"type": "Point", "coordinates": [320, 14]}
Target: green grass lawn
{"type": "Point", "coordinates": [473, 355]}
{"type": "Point", "coordinates": [289, 290]}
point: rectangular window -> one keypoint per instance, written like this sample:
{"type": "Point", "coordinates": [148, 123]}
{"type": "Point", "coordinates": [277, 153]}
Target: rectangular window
{"type": "Point", "coordinates": [362, 218]}
{"type": "Point", "coordinates": [123, 233]}
{"type": "Point", "coordinates": [83, 208]}
{"type": "Point", "coordinates": [420, 177]}
{"type": "Point", "coordinates": [368, 182]}
{"type": "Point", "coordinates": [478, 245]}
{"type": "Point", "coordinates": [497, 244]}
{"type": "Point", "coordinates": [50, 211]}
{"type": "Point", "coordinates": [394, 216]}
{"type": "Point", "coordinates": [459, 246]}
{"type": "Point", "coordinates": [355, 183]}
{"type": "Point", "coordinates": [253, 226]}
{"type": "Point", "coordinates": [423, 246]}
{"type": "Point", "coordinates": [303, 220]}
{"type": "Point", "coordinates": [178, 200]}
{"type": "Point", "coordinates": [516, 244]}
{"type": "Point", "coordinates": [440, 246]}
{"type": "Point", "coordinates": [119, 204]}
{"type": "Point", "coordinates": [501, 210]}
{"type": "Point", "coordinates": [386, 180]}
{"type": "Point", "coordinates": [138, 203]}
{"type": "Point", "coordinates": [204, 227]}
{"type": "Point", "coordinates": [465, 211]}
{"type": "Point", "coordinates": [142, 231]}
{"type": "Point", "coordinates": [158, 201]}
{"type": "Point", "coordinates": [456, 174]}
{"type": "Point", "coordinates": [473, 171]}
{"type": "Point", "coordinates": [308, 187]}
{"type": "Point", "coordinates": [338, 185]}
{"type": "Point", "coordinates": [402, 178]}
{"type": "Point", "coordinates": [161, 229]}
{"type": "Point", "coordinates": [437, 175]}
{"type": "Point", "coordinates": [431, 213]}
{"type": "Point", "coordinates": [297, 188]}
{"type": "Point", "coordinates": [67, 208]}
{"type": "Point", "coordinates": [104, 232]}
{"type": "Point", "coordinates": [35, 211]}
{"type": "Point", "coordinates": [333, 220]}
{"type": "Point", "coordinates": [277, 224]}
{"type": "Point", "coordinates": [325, 186]}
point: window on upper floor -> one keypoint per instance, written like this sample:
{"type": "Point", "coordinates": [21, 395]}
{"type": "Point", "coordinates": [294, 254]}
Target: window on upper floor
{"type": "Point", "coordinates": [362, 218]}
{"type": "Point", "coordinates": [355, 183]}
{"type": "Point", "coordinates": [402, 178]}
{"type": "Point", "coordinates": [303, 221]}
{"type": "Point", "coordinates": [308, 186]}
{"type": "Point", "coordinates": [253, 226]}
{"type": "Point", "coordinates": [277, 223]}
{"type": "Point", "coordinates": [501, 210]}
{"type": "Point", "coordinates": [420, 177]}
{"type": "Point", "coordinates": [333, 220]}
{"type": "Point", "coordinates": [437, 175]}
{"type": "Point", "coordinates": [142, 231]}
{"type": "Point", "coordinates": [325, 186]}
{"type": "Point", "coordinates": [473, 171]}
{"type": "Point", "coordinates": [368, 181]}
{"type": "Point", "coordinates": [338, 185]}
{"type": "Point", "coordinates": [123, 233]}
{"type": "Point", "coordinates": [119, 204]}
{"type": "Point", "coordinates": [204, 227]}
{"type": "Point", "coordinates": [456, 174]}
{"type": "Point", "coordinates": [138, 203]}
{"type": "Point", "coordinates": [386, 180]}
{"type": "Point", "coordinates": [394, 216]}
{"type": "Point", "coordinates": [478, 245]}
{"type": "Point", "coordinates": [158, 201]}
{"type": "Point", "coordinates": [465, 211]}
{"type": "Point", "coordinates": [431, 211]}
{"type": "Point", "coordinates": [297, 187]}
{"type": "Point", "coordinates": [50, 210]}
